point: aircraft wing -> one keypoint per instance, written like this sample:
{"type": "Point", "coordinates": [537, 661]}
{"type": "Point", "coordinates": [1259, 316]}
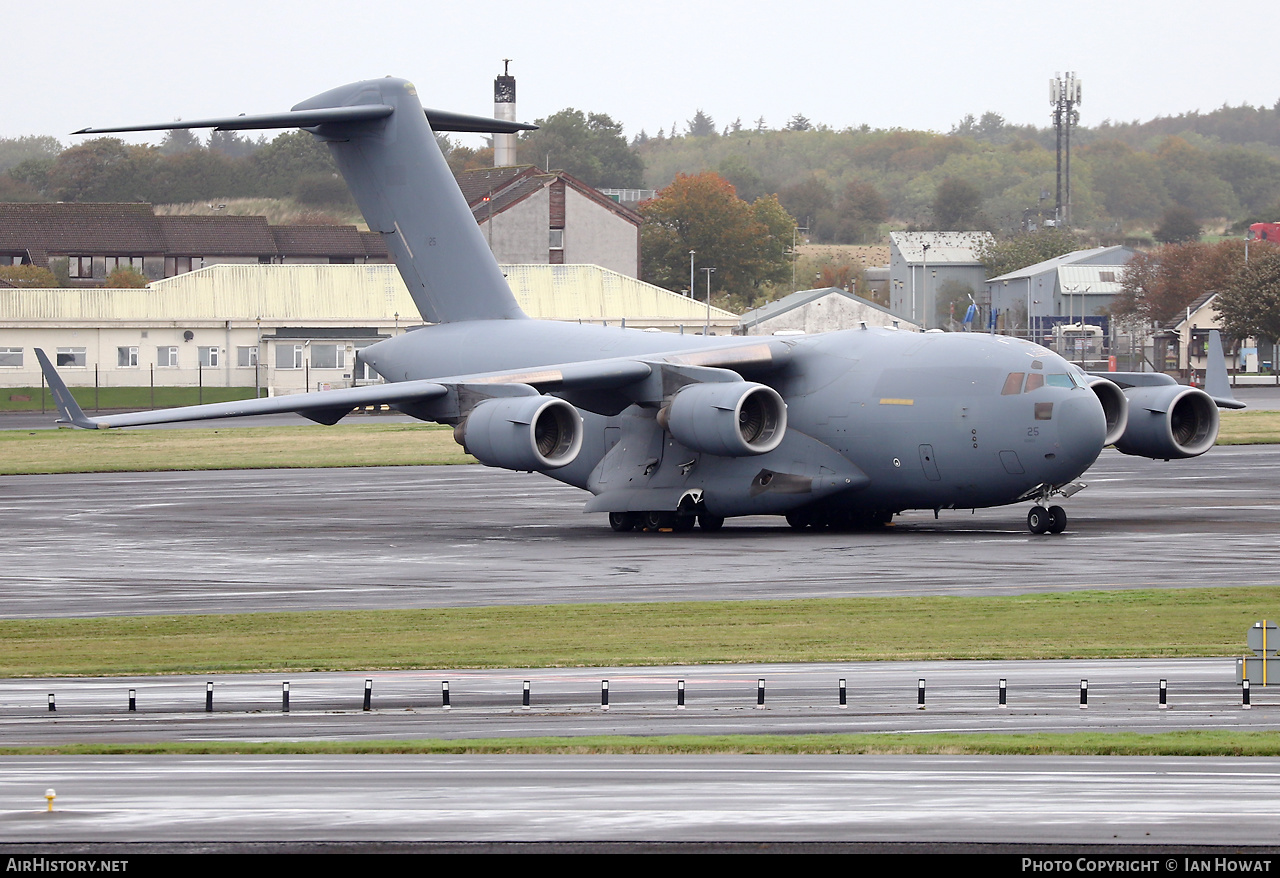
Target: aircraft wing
{"type": "Point", "coordinates": [608, 384]}
{"type": "Point", "coordinates": [325, 407]}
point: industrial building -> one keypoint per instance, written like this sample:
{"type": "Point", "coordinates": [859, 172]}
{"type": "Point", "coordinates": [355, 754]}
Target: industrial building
{"type": "Point", "coordinates": [286, 328]}
{"type": "Point", "coordinates": [819, 310]}
{"type": "Point", "coordinates": [929, 269]}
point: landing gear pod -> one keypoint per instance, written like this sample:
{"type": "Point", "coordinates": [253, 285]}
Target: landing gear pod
{"type": "Point", "coordinates": [1115, 406]}
{"type": "Point", "coordinates": [730, 419]}
{"type": "Point", "coordinates": [522, 433]}
{"type": "Point", "coordinates": [1169, 421]}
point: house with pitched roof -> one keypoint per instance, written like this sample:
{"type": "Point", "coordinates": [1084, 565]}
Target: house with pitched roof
{"type": "Point", "coordinates": [535, 217]}
{"type": "Point", "coordinates": [95, 239]}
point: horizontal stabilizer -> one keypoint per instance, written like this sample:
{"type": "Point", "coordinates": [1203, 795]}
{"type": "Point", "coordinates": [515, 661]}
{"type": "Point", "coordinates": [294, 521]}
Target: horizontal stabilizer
{"type": "Point", "coordinates": [442, 120]}
{"type": "Point", "coordinates": [439, 120]}
{"type": "Point", "coordinates": [292, 119]}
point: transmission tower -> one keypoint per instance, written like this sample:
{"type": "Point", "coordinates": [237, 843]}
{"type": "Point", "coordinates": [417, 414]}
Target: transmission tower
{"type": "Point", "coordinates": [1064, 97]}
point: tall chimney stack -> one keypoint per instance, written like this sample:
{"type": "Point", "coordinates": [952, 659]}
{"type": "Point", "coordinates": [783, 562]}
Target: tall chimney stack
{"type": "Point", "coordinates": [504, 108]}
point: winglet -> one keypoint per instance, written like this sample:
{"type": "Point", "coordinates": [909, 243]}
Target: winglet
{"type": "Point", "coordinates": [1215, 375]}
{"type": "Point", "coordinates": [68, 408]}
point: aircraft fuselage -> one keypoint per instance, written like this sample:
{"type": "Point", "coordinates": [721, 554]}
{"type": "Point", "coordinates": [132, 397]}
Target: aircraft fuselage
{"type": "Point", "coordinates": [877, 420]}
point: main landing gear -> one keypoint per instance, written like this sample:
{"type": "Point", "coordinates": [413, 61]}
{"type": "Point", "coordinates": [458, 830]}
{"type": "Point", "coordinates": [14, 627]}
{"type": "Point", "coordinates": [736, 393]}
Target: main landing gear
{"type": "Point", "coordinates": [624, 522]}
{"type": "Point", "coordinates": [1052, 520]}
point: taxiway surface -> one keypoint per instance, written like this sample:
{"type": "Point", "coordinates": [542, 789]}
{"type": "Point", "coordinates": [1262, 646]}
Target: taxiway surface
{"type": "Point", "coordinates": [407, 537]}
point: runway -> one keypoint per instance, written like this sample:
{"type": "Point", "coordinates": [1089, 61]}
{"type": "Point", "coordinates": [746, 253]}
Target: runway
{"type": "Point", "coordinates": [411, 537]}
{"type": "Point", "coordinates": [459, 536]}
{"type": "Point", "coordinates": [1038, 801]}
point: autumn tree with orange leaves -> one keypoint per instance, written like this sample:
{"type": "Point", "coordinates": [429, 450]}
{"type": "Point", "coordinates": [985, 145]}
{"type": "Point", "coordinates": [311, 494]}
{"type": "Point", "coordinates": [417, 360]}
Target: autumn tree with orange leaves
{"type": "Point", "coordinates": [747, 244]}
{"type": "Point", "coordinates": [1159, 285]}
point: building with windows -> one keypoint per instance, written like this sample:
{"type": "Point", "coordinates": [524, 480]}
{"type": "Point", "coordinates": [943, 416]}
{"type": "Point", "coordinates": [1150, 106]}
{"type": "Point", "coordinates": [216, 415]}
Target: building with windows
{"type": "Point", "coordinates": [285, 328]}
{"type": "Point", "coordinates": [536, 217]}
{"type": "Point", "coordinates": [92, 240]}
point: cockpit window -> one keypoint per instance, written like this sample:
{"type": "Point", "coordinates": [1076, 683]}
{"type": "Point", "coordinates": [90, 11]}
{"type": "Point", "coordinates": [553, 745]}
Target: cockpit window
{"type": "Point", "coordinates": [1034, 381]}
{"type": "Point", "coordinates": [1013, 384]}
{"type": "Point", "coordinates": [1059, 380]}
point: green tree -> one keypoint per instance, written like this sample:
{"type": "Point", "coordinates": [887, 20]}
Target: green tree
{"type": "Point", "coordinates": [747, 244]}
{"type": "Point", "coordinates": [957, 205]}
{"type": "Point", "coordinates": [1160, 284]}
{"type": "Point", "coordinates": [590, 146]}
{"type": "Point", "coordinates": [807, 199]}
{"type": "Point", "coordinates": [1249, 306]}
{"type": "Point", "coordinates": [103, 169]}
{"type": "Point", "coordinates": [179, 140]}
{"type": "Point", "coordinates": [856, 217]}
{"type": "Point", "coordinates": [278, 165]}
{"type": "Point", "coordinates": [1026, 248]}
{"type": "Point", "coordinates": [16, 150]}
{"type": "Point", "coordinates": [701, 125]}
{"type": "Point", "coordinates": [125, 278]}
{"type": "Point", "coordinates": [1178, 224]}
{"type": "Point", "coordinates": [746, 182]}
{"type": "Point", "coordinates": [27, 276]}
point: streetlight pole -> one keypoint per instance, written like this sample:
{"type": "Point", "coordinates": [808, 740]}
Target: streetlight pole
{"type": "Point", "coordinates": [706, 327]}
{"type": "Point", "coordinates": [691, 252]}
{"type": "Point", "coordinates": [924, 290]}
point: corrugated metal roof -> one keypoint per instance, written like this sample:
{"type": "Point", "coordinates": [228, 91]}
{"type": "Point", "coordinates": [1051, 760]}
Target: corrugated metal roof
{"type": "Point", "coordinates": [1088, 279]}
{"type": "Point", "coordinates": [1057, 261]}
{"type": "Point", "coordinates": [944, 247]}
{"type": "Point", "coordinates": [354, 294]}
{"type": "Point", "coordinates": [589, 292]}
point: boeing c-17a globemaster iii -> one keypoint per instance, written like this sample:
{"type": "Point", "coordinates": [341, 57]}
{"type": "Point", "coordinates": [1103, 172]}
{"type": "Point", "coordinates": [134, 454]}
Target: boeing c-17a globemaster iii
{"type": "Point", "coordinates": [840, 429]}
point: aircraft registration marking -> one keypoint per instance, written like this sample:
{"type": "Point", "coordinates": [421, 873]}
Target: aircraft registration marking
{"type": "Point", "coordinates": [892, 401]}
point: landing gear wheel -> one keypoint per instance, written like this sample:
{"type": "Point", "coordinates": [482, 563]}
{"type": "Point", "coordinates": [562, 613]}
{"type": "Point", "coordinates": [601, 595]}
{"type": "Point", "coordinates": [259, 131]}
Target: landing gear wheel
{"type": "Point", "coordinates": [622, 522]}
{"type": "Point", "coordinates": [658, 520]}
{"type": "Point", "coordinates": [1038, 520]}
{"type": "Point", "coordinates": [1057, 519]}
{"type": "Point", "coordinates": [710, 523]}
{"type": "Point", "coordinates": [684, 523]}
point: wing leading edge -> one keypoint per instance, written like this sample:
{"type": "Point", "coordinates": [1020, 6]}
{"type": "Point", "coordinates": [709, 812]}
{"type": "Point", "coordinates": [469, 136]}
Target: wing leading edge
{"type": "Point", "coordinates": [625, 379]}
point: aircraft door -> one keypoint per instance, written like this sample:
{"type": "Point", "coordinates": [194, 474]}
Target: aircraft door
{"type": "Point", "coordinates": [929, 463]}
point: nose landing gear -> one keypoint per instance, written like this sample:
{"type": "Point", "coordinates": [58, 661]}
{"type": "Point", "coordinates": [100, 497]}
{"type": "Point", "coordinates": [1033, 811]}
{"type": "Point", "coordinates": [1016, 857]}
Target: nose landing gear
{"type": "Point", "coordinates": [1052, 520]}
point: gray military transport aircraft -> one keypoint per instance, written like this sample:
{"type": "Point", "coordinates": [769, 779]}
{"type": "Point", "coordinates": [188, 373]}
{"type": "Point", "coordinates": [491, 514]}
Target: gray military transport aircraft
{"type": "Point", "coordinates": [842, 429]}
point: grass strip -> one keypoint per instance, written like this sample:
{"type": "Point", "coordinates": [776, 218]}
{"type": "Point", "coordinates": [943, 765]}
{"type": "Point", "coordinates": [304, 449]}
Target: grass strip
{"type": "Point", "coordinates": [1180, 743]}
{"type": "Point", "coordinates": [1248, 427]}
{"type": "Point", "coordinates": [75, 451]}
{"type": "Point", "coordinates": [1081, 624]}
{"type": "Point", "coordinates": [348, 444]}
{"type": "Point", "coordinates": [35, 399]}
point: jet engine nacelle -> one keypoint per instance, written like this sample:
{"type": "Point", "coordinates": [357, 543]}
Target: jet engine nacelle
{"type": "Point", "coordinates": [522, 432]}
{"type": "Point", "coordinates": [1115, 406]}
{"type": "Point", "coordinates": [1169, 421]}
{"type": "Point", "coordinates": [730, 419]}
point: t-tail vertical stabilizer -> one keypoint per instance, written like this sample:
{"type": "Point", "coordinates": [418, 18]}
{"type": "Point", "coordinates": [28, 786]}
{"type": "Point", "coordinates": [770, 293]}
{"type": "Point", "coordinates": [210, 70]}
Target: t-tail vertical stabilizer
{"type": "Point", "coordinates": [405, 190]}
{"type": "Point", "coordinates": [384, 144]}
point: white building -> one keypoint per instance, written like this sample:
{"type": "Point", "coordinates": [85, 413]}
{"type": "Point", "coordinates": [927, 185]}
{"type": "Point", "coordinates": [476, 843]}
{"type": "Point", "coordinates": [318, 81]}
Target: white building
{"type": "Point", "coordinates": [284, 328]}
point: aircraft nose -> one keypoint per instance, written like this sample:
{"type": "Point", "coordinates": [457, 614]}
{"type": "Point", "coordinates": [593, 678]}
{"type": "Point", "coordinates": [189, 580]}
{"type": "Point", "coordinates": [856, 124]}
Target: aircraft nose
{"type": "Point", "coordinates": [1082, 428]}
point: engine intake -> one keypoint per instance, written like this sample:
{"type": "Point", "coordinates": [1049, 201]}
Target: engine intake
{"type": "Point", "coordinates": [1169, 421]}
{"type": "Point", "coordinates": [522, 433]}
{"type": "Point", "coordinates": [730, 419]}
{"type": "Point", "coordinates": [1115, 406]}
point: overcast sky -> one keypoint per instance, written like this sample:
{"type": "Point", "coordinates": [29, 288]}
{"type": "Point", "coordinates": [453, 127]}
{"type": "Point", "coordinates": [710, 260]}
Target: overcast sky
{"type": "Point", "coordinates": [647, 63]}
